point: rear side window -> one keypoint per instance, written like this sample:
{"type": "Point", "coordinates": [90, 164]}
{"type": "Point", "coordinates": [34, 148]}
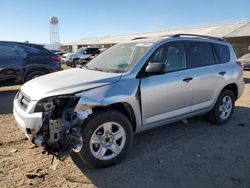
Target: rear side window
{"type": "Point", "coordinates": [11, 50]}
{"type": "Point", "coordinates": [201, 54]}
{"type": "Point", "coordinates": [222, 52]}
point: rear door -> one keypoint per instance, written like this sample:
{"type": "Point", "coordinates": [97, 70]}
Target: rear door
{"type": "Point", "coordinates": [11, 63]}
{"type": "Point", "coordinates": [168, 95]}
{"type": "Point", "coordinates": [209, 74]}
{"type": "Point", "coordinates": [38, 58]}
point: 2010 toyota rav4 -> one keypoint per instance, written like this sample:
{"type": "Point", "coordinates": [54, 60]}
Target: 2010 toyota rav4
{"type": "Point", "coordinates": [96, 110]}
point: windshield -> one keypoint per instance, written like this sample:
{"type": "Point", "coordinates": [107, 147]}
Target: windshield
{"type": "Point", "coordinates": [119, 58]}
{"type": "Point", "coordinates": [246, 56]}
{"type": "Point", "coordinates": [80, 51]}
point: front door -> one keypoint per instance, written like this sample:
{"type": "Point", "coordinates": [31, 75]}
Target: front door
{"type": "Point", "coordinates": [169, 95]}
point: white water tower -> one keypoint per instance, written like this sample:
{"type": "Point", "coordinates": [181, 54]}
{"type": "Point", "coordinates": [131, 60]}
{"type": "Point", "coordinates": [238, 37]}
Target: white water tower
{"type": "Point", "coordinates": [54, 30]}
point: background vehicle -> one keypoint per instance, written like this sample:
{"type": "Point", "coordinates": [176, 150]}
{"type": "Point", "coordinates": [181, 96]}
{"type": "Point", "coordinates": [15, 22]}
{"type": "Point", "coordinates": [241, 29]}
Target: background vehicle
{"type": "Point", "coordinates": [82, 62]}
{"type": "Point", "coordinates": [245, 61]}
{"type": "Point", "coordinates": [58, 52]}
{"type": "Point", "coordinates": [133, 86]}
{"type": "Point", "coordinates": [20, 62]}
{"type": "Point", "coordinates": [81, 54]}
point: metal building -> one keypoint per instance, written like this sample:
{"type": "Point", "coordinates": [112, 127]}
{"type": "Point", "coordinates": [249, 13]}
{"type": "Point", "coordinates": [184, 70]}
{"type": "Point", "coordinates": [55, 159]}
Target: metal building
{"type": "Point", "coordinates": [238, 34]}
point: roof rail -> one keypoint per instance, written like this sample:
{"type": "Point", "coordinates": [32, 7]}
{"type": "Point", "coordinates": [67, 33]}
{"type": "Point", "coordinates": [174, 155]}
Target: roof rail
{"type": "Point", "coordinates": [137, 38]}
{"type": "Point", "coordinates": [202, 36]}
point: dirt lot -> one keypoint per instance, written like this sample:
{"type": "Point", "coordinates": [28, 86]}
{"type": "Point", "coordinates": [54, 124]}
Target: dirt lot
{"type": "Point", "coordinates": [196, 154]}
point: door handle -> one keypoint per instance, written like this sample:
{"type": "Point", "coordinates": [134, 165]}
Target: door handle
{"type": "Point", "coordinates": [222, 73]}
{"type": "Point", "coordinates": [188, 79]}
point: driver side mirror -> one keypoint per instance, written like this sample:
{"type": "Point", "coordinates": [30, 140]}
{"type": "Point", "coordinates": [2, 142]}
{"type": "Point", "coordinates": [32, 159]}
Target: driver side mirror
{"type": "Point", "coordinates": [155, 68]}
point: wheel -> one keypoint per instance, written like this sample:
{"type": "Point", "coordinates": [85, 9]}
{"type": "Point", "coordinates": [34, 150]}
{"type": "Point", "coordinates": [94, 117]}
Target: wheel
{"type": "Point", "coordinates": [223, 109]}
{"type": "Point", "coordinates": [107, 136]}
{"type": "Point", "coordinates": [33, 75]}
{"type": "Point", "coordinates": [74, 62]}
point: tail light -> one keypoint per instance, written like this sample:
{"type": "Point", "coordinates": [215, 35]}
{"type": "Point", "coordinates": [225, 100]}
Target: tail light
{"type": "Point", "coordinates": [240, 64]}
{"type": "Point", "coordinates": [56, 58]}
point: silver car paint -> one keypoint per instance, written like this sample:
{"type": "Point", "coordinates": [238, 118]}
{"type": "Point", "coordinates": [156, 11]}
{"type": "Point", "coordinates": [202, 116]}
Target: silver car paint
{"type": "Point", "coordinates": [159, 104]}
{"type": "Point", "coordinates": [67, 82]}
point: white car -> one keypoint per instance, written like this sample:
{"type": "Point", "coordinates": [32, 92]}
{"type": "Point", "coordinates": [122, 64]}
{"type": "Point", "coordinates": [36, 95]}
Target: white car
{"type": "Point", "coordinates": [81, 54]}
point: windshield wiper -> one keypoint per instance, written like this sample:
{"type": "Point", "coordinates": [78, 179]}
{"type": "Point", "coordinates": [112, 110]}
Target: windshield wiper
{"type": "Point", "coordinates": [97, 69]}
{"type": "Point", "coordinates": [102, 70]}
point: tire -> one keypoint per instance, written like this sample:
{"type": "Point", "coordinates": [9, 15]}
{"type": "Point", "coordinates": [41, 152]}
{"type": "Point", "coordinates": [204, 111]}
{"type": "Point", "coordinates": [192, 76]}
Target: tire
{"type": "Point", "coordinates": [97, 150]}
{"type": "Point", "coordinates": [74, 62]}
{"type": "Point", "coordinates": [220, 115]}
{"type": "Point", "coordinates": [33, 75]}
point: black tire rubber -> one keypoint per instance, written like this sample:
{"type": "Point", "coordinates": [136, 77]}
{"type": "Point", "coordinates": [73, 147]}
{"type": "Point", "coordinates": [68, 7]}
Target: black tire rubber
{"type": "Point", "coordinates": [91, 124]}
{"type": "Point", "coordinates": [74, 62]}
{"type": "Point", "coordinates": [213, 115]}
{"type": "Point", "coordinates": [33, 74]}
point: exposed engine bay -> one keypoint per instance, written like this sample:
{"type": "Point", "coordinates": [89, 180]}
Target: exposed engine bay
{"type": "Point", "coordinates": [61, 129]}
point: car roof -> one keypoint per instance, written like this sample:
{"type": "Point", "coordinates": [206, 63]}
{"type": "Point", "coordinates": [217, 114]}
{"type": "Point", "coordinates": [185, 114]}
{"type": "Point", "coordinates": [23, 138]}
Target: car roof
{"type": "Point", "coordinates": [23, 43]}
{"type": "Point", "coordinates": [179, 37]}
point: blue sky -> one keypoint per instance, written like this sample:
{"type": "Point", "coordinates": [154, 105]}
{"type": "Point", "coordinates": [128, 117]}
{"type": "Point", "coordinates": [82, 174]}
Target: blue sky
{"type": "Point", "coordinates": [23, 20]}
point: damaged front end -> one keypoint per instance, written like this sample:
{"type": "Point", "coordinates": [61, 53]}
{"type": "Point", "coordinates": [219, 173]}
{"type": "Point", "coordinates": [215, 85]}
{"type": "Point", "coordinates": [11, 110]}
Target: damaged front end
{"type": "Point", "coordinates": [61, 129]}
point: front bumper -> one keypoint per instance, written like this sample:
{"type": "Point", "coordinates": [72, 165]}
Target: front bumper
{"type": "Point", "coordinates": [29, 123]}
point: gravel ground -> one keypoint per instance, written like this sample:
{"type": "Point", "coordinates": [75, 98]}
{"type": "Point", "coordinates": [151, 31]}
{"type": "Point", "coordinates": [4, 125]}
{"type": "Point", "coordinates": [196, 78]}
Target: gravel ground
{"type": "Point", "coordinates": [194, 154]}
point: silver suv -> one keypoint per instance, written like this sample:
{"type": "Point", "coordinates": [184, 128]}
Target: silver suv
{"type": "Point", "coordinates": [96, 110]}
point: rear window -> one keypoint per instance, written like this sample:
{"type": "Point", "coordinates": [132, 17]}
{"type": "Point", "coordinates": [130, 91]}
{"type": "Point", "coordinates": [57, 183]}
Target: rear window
{"type": "Point", "coordinates": [201, 54]}
{"type": "Point", "coordinates": [222, 52]}
{"type": "Point", "coordinates": [33, 48]}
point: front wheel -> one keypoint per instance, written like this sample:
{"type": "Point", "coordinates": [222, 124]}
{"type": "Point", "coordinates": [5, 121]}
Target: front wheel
{"type": "Point", "coordinates": [107, 135]}
{"type": "Point", "coordinates": [223, 109]}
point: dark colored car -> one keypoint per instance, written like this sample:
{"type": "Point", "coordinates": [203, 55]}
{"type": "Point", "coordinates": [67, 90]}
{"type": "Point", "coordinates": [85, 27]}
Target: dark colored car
{"type": "Point", "coordinates": [245, 61]}
{"type": "Point", "coordinates": [20, 62]}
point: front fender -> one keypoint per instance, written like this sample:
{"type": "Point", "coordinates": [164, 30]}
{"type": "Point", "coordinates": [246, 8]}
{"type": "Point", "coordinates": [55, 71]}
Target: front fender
{"type": "Point", "coordinates": [119, 92]}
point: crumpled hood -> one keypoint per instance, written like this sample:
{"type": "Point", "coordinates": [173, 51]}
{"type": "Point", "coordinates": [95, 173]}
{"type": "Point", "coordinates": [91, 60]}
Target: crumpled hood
{"type": "Point", "coordinates": [67, 82]}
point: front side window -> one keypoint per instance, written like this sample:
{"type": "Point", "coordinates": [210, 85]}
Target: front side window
{"type": "Point", "coordinates": [201, 54]}
{"type": "Point", "coordinates": [172, 55]}
{"type": "Point", "coordinates": [119, 58]}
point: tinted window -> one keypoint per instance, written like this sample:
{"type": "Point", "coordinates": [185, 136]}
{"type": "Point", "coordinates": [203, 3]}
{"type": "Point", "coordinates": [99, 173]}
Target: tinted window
{"type": "Point", "coordinates": [31, 50]}
{"type": "Point", "coordinates": [222, 52]}
{"type": "Point", "coordinates": [90, 50]}
{"type": "Point", "coordinates": [11, 50]}
{"type": "Point", "coordinates": [40, 48]}
{"type": "Point", "coordinates": [172, 55]}
{"type": "Point", "coordinates": [201, 54]}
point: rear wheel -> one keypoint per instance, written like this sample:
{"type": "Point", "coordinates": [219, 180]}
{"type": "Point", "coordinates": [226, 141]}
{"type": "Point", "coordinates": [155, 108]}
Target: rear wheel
{"type": "Point", "coordinates": [33, 75]}
{"type": "Point", "coordinates": [107, 135]}
{"type": "Point", "coordinates": [223, 109]}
